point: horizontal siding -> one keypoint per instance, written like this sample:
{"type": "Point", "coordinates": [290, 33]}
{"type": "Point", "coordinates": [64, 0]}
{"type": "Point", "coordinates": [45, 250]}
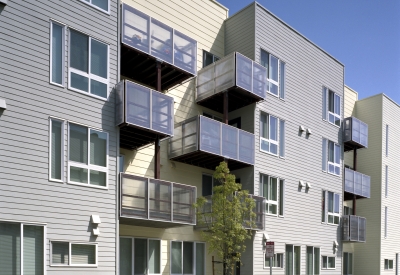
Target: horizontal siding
{"type": "Point", "coordinates": [26, 192]}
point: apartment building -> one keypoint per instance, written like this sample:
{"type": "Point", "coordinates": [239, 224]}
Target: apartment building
{"type": "Point", "coordinates": [379, 255]}
{"type": "Point", "coordinates": [58, 140]}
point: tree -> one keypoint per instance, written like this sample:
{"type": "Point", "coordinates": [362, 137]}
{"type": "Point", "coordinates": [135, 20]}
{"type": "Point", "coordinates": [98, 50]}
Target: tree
{"type": "Point", "coordinates": [227, 217]}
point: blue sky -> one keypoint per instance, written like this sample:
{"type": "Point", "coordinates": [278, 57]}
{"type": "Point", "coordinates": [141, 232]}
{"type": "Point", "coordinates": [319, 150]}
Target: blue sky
{"type": "Point", "coordinates": [362, 34]}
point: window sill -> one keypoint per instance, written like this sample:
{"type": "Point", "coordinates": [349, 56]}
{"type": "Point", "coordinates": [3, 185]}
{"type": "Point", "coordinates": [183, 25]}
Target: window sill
{"type": "Point", "coordinates": [274, 267]}
{"type": "Point", "coordinates": [88, 185]}
{"type": "Point", "coordinates": [272, 154]}
{"type": "Point", "coordinates": [72, 266]}
{"type": "Point", "coordinates": [271, 215]}
{"type": "Point", "coordinates": [54, 180]}
{"type": "Point", "coordinates": [336, 175]}
{"type": "Point", "coordinates": [56, 84]}
{"type": "Point", "coordinates": [97, 8]}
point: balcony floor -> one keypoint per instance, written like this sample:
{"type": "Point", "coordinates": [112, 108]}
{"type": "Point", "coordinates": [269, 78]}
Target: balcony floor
{"type": "Point", "coordinates": [209, 161]}
{"type": "Point", "coordinates": [237, 98]}
{"type": "Point", "coordinates": [349, 196]}
{"type": "Point", "coordinates": [149, 223]}
{"type": "Point", "coordinates": [132, 137]}
{"type": "Point", "coordinates": [351, 145]}
{"type": "Point", "coordinates": [141, 67]}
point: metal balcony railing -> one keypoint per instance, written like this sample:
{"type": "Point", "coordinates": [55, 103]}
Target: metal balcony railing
{"type": "Point", "coordinates": [357, 183]}
{"type": "Point", "coordinates": [205, 142]}
{"type": "Point", "coordinates": [355, 134]}
{"type": "Point", "coordinates": [354, 228]}
{"type": "Point", "coordinates": [157, 200]}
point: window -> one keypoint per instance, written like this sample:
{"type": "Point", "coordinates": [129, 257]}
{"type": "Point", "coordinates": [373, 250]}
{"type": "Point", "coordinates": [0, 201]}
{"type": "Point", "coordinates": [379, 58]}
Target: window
{"type": "Point", "coordinates": [139, 256]}
{"type": "Point", "coordinates": [347, 263]}
{"type": "Point", "coordinates": [293, 259]}
{"type": "Point", "coordinates": [73, 254]}
{"type": "Point", "coordinates": [56, 150]}
{"type": "Point", "coordinates": [269, 135]}
{"type": "Point", "coordinates": [22, 245]}
{"type": "Point", "coordinates": [57, 49]}
{"type": "Point", "coordinates": [313, 254]}
{"type": "Point", "coordinates": [269, 187]}
{"type": "Point", "coordinates": [347, 210]}
{"type": "Point", "coordinates": [88, 65]}
{"type": "Point", "coordinates": [88, 156]}
{"type": "Point", "coordinates": [386, 221]}
{"type": "Point", "coordinates": [207, 185]}
{"type": "Point", "coordinates": [281, 197]}
{"type": "Point", "coordinates": [99, 4]}
{"type": "Point", "coordinates": [386, 181]}
{"type": "Point", "coordinates": [187, 258]}
{"type": "Point", "coordinates": [388, 264]}
{"type": "Point", "coordinates": [328, 262]}
{"type": "Point", "coordinates": [275, 73]}
{"type": "Point", "coordinates": [277, 260]}
{"type": "Point", "coordinates": [387, 140]}
{"type": "Point", "coordinates": [333, 112]}
{"type": "Point", "coordinates": [209, 58]}
{"type": "Point", "coordinates": [333, 201]}
{"type": "Point", "coordinates": [332, 159]}
{"type": "Point", "coordinates": [121, 163]}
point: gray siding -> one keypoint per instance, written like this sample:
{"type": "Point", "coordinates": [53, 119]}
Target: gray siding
{"type": "Point", "coordinates": [26, 192]}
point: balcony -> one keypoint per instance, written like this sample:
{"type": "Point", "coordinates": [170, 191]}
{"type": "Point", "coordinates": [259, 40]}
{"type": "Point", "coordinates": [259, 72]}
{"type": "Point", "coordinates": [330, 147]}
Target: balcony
{"type": "Point", "coordinates": [156, 203]}
{"type": "Point", "coordinates": [244, 79]}
{"type": "Point", "coordinates": [355, 134]}
{"type": "Point", "coordinates": [259, 211]}
{"type": "Point", "coordinates": [145, 40]}
{"type": "Point", "coordinates": [356, 184]}
{"type": "Point", "coordinates": [205, 142]}
{"type": "Point", "coordinates": [142, 114]}
{"type": "Point", "coordinates": [354, 228]}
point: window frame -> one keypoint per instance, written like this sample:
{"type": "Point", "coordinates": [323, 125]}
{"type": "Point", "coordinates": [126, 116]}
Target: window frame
{"type": "Point", "coordinates": [269, 140]}
{"type": "Point", "coordinates": [63, 26]}
{"type": "Point", "coordinates": [325, 108]}
{"type": "Point", "coordinates": [70, 264]}
{"type": "Point", "coordinates": [293, 258]}
{"type": "Point", "coordinates": [96, 7]}
{"type": "Point", "coordinates": [314, 259]}
{"type": "Point", "coordinates": [212, 181]}
{"type": "Point", "coordinates": [278, 190]}
{"type": "Point", "coordinates": [336, 146]}
{"type": "Point", "coordinates": [325, 210]}
{"type": "Point", "coordinates": [346, 256]}
{"type": "Point", "coordinates": [193, 259]}
{"type": "Point", "coordinates": [51, 119]}
{"type": "Point", "coordinates": [214, 57]}
{"type": "Point", "coordinates": [281, 200]}
{"type": "Point", "coordinates": [387, 140]}
{"type": "Point", "coordinates": [281, 261]}
{"type": "Point", "coordinates": [21, 254]}
{"type": "Point", "coordinates": [387, 264]}
{"type": "Point", "coordinates": [327, 261]}
{"type": "Point", "coordinates": [87, 166]}
{"type": "Point", "coordinates": [386, 221]}
{"type": "Point", "coordinates": [88, 74]}
{"type": "Point", "coordinates": [279, 71]}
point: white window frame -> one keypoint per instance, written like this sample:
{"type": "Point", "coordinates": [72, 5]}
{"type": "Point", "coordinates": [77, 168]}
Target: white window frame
{"type": "Point", "coordinates": [277, 83]}
{"type": "Point", "coordinates": [281, 201]}
{"type": "Point", "coordinates": [346, 255]}
{"type": "Point", "coordinates": [51, 119]}
{"type": "Point", "coordinates": [386, 181]}
{"type": "Point", "coordinates": [387, 140]}
{"type": "Point", "coordinates": [22, 242]}
{"type": "Point", "coordinates": [327, 213]}
{"type": "Point", "coordinates": [271, 202]}
{"type": "Point", "coordinates": [88, 75]}
{"type": "Point", "coordinates": [63, 54]}
{"type": "Point", "coordinates": [89, 2]}
{"type": "Point", "coordinates": [269, 140]}
{"type": "Point", "coordinates": [281, 261]}
{"type": "Point", "coordinates": [386, 221]}
{"type": "Point", "coordinates": [194, 256]}
{"type": "Point", "coordinates": [327, 261]}
{"type": "Point", "coordinates": [336, 146]}
{"type": "Point", "coordinates": [329, 113]}
{"type": "Point", "coordinates": [293, 259]}
{"type": "Point", "coordinates": [133, 252]}
{"type": "Point", "coordinates": [313, 259]}
{"type": "Point", "coordinates": [215, 58]}
{"type": "Point", "coordinates": [70, 253]}
{"type": "Point", "coordinates": [88, 166]}
{"type": "Point", "coordinates": [387, 266]}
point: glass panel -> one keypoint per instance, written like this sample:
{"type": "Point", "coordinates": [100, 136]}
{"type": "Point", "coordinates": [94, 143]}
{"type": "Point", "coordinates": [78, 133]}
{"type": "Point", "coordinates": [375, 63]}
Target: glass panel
{"type": "Point", "coordinates": [98, 58]}
{"type": "Point", "coordinates": [350, 264]}
{"type": "Point", "coordinates": [229, 142]}
{"type": "Point", "coordinates": [10, 252]}
{"type": "Point", "coordinates": [296, 258]}
{"type": "Point", "coordinates": [102, 4]}
{"type": "Point", "coordinates": [160, 200]}
{"type": "Point", "coordinates": [282, 81]}
{"type": "Point", "coordinates": [273, 88]}
{"type": "Point", "coordinates": [264, 131]}
{"type": "Point", "coordinates": [176, 257]}
{"type": "Point", "coordinates": [154, 256]}
{"type": "Point", "coordinates": [273, 148]}
{"type": "Point", "coordinates": [83, 254]}
{"type": "Point", "coordinates": [264, 59]}
{"type": "Point", "coordinates": [273, 189]}
{"type": "Point", "coordinates": [331, 149]}
{"type": "Point", "coordinates": [273, 72]}
{"type": "Point", "coordinates": [337, 154]}
{"type": "Point", "coordinates": [330, 202]}
{"type": "Point", "coordinates": [208, 58]}
{"type": "Point", "coordinates": [331, 262]}
{"type": "Point", "coordinates": [337, 201]}
{"type": "Point", "coordinates": [137, 105]}
{"type": "Point", "coordinates": [331, 104]}
{"type": "Point", "coordinates": [79, 52]}
{"type": "Point", "coordinates": [259, 80]}
{"type": "Point", "coordinates": [60, 253]}
{"type": "Point", "coordinates": [98, 148]}
{"type": "Point", "coordinates": [200, 259]}
{"type": "Point", "coordinates": [98, 178]}
{"type": "Point", "coordinates": [98, 88]}
{"type": "Point", "coordinates": [135, 28]}
{"type": "Point", "coordinates": [161, 40]}
{"type": "Point", "coordinates": [162, 113]}
{"type": "Point", "coordinates": [243, 72]}
{"type": "Point", "coordinates": [79, 82]}
{"type": "Point", "coordinates": [309, 260]}
{"type": "Point", "coordinates": [210, 135]}
{"type": "Point", "coordinates": [272, 208]}
{"type": "Point", "coordinates": [77, 174]}
{"type": "Point", "coordinates": [207, 186]}
{"type": "Point", "coordinates": [289, 260]}
{"type": "Point", "coordinates": [225, 74]}
{"type": "Point", "coordinates": [281, 196]}
{"type": "Point", "coordinates": [205, 83]}
{"type": "Point", "coordinates": [57, 42]}
{"type": "Point", "coordinates": [185, 52]}
{"type": "Point", "coordinates": [246, 147]}
{"type": "Point", "coordinates": [356, 130]}
{"type": "Point", "coordinates": [140, 256]}
{"type": "Point", "coordinates": [324, 98]}
{"type": "Point", "coordinates": [273, 135]}
{"type": "Point", "coordinates": [183, 198]}
{"type": "Point", "coordinates": [187, 258]}
{"type": "Point", "coordinates": [349, 180]}
{"type": "Point", "coordinates": [323, 203]}
{"type": "Point", "coordinates": [345, 264]}
{"type": "Point", "coordinates": [78, 143]}
{"type": "Point", "coordinates": [134, 196]}
{"type": "Point", "coordinates": [324, 262]}
{"type": "Point", "coordinates": [33, 250]}
{"type": "Point", "coordinates": [316, 260]}
{"type": "Point", "coordinates": [56, 150]}
{"type": "Point", "coordinates": [125, 256]}
{"type": "Point", "coordinates": [265, 145]}
{"type": "Point", "coordinates": [282, 138]}
{"type": "Point", "coordinates": [357, 183]}
{"type": "Point", "coordinates": [337, 104]}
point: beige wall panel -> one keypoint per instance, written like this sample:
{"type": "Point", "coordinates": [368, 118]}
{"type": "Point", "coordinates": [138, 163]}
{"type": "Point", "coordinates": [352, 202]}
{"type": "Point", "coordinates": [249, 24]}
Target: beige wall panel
{"type": "Point", "coordinates": [350, 98]}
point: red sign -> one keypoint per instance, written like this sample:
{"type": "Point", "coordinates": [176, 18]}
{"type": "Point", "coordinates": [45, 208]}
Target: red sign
{"type": "Point", "coordinates": [269, 249]}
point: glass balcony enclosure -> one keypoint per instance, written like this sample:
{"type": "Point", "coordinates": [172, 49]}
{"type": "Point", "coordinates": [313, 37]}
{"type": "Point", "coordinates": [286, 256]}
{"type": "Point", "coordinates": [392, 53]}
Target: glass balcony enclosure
{"type": "Point", "coordinates": [356, 184]}
{"type": "Point", "coordinates": [244, 79]}
{"type": "Point", "coordinates": [157, 203]}
{"type": "Point", "coordinates": [145, 40]}
{"type": "Point", "coordinates": [142, 114]}
{"type": "Point", "coordinates": [355, 134]}
{"type": "Point", "coordinates": [259, 211]}
{"type": "Point", "coordinates": [354, 228]}
{"type": "Point", "coordinates": [205, 142]}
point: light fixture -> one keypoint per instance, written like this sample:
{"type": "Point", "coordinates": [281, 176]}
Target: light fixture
{"type": "Point", "coordinates": [301, 128]}
{"type": "Point", "coordinates": [3, 105]}
{"type": "Point", "coordinates": [301, 184]}
{"type": "Point", "coordinates": [265, 236]}
{"type": "Point", "coordinates": [95, 219]}
{"type": "Point", "coordinates": [308, 185]}
{"type": "Point", "coordinates": [96, 231]}
{"type": "Point", "coordinates": [309, 131]}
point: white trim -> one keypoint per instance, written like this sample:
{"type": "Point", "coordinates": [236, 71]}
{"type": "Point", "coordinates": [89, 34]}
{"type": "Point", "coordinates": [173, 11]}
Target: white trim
{"type": "Point", "coordinates": [96, 7]}
{"type": "Point", "coordinates": [327, 262]}
{"type": "Point", "coordinates": [384, 264]}
{"type": "Point", "coordinates": [62, 148]}
{"type": "Point", "coordinates": [270, 202]}
{"type": "Point", "coordinates": [333, 113]}
{"type": "Point", "coordinates": [63, 26]}
{"type": "Point", "coordinates": [22, 248]}
{"type": "Point", "coordinates": [269, 140]}
{"type": "Point", "coordinates": [336, 146]}
{"type": "Point", "coordinates": [333, 214]}
{"type": "Point", "coordinates": [70, 264]}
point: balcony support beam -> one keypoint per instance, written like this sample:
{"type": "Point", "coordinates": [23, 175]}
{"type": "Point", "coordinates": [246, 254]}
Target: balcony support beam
{"type": "Point", "coordinates": [226, 100]}
{"type": "Point", "coordinates": [157, 142]}
{"type": "Point", "coordinates": [355, 169]}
